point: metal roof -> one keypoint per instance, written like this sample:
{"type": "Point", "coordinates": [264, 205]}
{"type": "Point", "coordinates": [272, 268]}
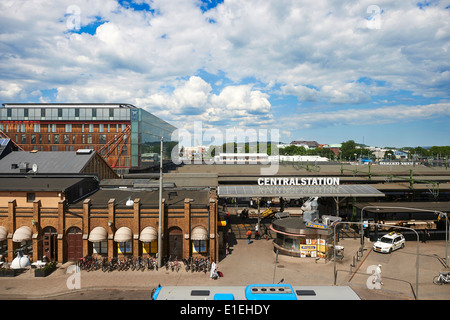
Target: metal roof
{"type": "Point", "coordinates": [46, 161]}
{"type": "Point", "coordinates": [35, 184]}
{"type": "Point", "coordinates": [298, 191]}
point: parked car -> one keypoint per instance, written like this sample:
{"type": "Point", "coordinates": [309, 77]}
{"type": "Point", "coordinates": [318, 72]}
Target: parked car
{"type": "Point", "coordinates": [389, 242]}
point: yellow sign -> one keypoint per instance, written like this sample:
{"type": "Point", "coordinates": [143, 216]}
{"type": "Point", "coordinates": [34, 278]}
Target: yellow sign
{"type": "Point", "coordinates": [308, 247]}
{"type": "Point", "coordinates": [315, 225]}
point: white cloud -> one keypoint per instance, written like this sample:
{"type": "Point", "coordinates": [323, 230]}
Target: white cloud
{"type": "Point", "coordinates": [382, 115]}
{"type": "Point", "coordinates": [241, 105]}
{"type": "Point", "coordinates": [316, 51]}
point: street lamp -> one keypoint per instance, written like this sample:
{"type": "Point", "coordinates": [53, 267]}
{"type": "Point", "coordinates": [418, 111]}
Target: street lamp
{"type": "Point", "coordinates": [159, 260]}
{"type": "Point", "coordinates": [440, 217]}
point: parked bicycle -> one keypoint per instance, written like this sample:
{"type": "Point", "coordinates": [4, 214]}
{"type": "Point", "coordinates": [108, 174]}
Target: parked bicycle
{"type": "Point", "coordinates": [442, 278]}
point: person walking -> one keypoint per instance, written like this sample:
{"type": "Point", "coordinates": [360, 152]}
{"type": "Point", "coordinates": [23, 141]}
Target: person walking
{"type": "Point", "coordinates": [249, 236]}
{"type": "Point", "coordinates": [377, 275]}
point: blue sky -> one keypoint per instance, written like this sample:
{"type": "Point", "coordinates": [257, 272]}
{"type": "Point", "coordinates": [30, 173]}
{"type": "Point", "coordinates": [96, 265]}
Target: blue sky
{"type": "Point", "coordinates": [374, 72]}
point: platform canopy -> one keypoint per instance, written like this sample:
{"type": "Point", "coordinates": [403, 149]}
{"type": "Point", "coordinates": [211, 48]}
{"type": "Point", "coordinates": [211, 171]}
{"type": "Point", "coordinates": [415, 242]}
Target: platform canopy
{"type": "Point", "coordinates": [246, 191]}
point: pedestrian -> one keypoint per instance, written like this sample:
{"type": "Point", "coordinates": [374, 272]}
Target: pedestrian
{"type": "Point", "coordinates": [377, 275]}
{"type": "Point", "coordinates": [249, 236]}
{"type": "Point", "coordinates": [214, 275]}
{"type": "Point", "coordinates": [266, 233]}
{"type": "Point", "coordinates": [425, 236]}
{"type": "Point", "coordinates": [256, 232]}
{"type": "Point", "coordinates": [225, 243]}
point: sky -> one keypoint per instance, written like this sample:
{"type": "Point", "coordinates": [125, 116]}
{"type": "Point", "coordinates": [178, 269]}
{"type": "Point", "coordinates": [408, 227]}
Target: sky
{"type": "Point", "coordinates": [376, 72]}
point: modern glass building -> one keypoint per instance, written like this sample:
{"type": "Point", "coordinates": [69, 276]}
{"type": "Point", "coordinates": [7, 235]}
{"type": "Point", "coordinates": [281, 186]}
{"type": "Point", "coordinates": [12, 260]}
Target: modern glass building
{"type": "Point", "coordinates": [119, 132]}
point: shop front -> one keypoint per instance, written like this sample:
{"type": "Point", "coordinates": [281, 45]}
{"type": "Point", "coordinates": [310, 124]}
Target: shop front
{"type": "Point", "coordinates": [294, 238]}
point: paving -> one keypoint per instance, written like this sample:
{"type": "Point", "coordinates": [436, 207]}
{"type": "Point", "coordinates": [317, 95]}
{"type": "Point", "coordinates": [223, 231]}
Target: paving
{"type": "Point", "coordinates": [255, 263]}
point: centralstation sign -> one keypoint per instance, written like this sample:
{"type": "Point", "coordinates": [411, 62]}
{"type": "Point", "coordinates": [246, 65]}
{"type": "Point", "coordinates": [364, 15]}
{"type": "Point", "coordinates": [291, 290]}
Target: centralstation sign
{"type": "Point", "coordinates": [307, 181]}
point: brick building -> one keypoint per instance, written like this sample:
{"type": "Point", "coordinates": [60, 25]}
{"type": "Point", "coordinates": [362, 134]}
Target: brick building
{"type": "Point", "coordinates": [109, 222]}
{"type": "Point", "coordinates": [116, 131]}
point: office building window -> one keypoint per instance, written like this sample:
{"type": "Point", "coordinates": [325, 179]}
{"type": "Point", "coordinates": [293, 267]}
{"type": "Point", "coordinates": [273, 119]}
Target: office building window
{"type": "Point", "coordinates": [66, 139]}
{"type": "Point", "coordinates": [68, 128]}
{"type": "Point", "coordinates": [33, 139]}
{"type": "Point", "coordinates": [37, 128]}
{"type": "Point", "coordinates": [24, 139]}
{"type": "Point", "coordinates": [56, 139]}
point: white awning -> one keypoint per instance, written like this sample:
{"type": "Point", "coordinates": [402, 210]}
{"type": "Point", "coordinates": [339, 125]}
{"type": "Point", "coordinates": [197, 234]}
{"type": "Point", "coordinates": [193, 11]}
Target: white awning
{"type": "Point", "coordinates": [123, 234]}
{"type": "Point", "coordinates": [3, 233]}
{"type": "Point", "coordinates": [24, 233]}
{"type": "Point", "coordinates": [98, 234]}
{"type": "Point", "coordinates": [148, 234]}
{"type": "Point", "coordinates": [199, 233]}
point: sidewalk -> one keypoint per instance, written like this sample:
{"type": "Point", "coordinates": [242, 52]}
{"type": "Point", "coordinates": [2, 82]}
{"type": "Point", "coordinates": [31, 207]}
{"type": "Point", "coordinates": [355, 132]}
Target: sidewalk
{"type": "Point", "coordinates": [255, 263]}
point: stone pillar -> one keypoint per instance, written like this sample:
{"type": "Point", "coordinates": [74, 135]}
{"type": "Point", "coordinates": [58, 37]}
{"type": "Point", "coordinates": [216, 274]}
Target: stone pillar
{"type": "Point", "coordinates": [213, 236]}
{"type": "Point", "coordinates": [61, 230]}
{"type": "Point", "coordinates": [37, 229]}
{"type": "Point", "coordinates": [187, 229]}
{"type": "Point", "coordinates": [12, 204]}
{"type": "Point", "coordinates": [111, 228]}
{"type": "Point", "coordinates": [86, 226]}
{"type": "Point", "coordinates": [162, 247]}
{"type": "Point", "coordinates": [136, 227]}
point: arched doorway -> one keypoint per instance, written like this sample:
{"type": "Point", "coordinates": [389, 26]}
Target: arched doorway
{"type": "Point", "coordinates": [49, 244]}
{"type": "Point", "coordinates": [175, 243]}
{"type": "Point", "coordinates": [74, 244]}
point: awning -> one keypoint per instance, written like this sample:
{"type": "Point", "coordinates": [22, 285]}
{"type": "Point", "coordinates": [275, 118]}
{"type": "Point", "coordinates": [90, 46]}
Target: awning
{"type": "Point", "coordinates": [148, 234]}
{"type": "Point", "coordinates": [199, 233]}
{"type": "Point", "coordinates": [123, 234]}
{"type": "Point", "coordinates": [98, 234]}
{"type": "Point", "coordinates": [3, 233]}
{"type": "Point", "coordinates": [24, 233]}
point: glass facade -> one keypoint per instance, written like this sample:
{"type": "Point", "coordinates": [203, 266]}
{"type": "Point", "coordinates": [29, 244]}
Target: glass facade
{"type": "Point", "coordinates": [119, 132]}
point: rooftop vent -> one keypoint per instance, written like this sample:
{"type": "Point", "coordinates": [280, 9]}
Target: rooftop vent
{"type": "Point", "coordinates": [84, 151]}
{"type": "Point", "coordinates": [23, 167]}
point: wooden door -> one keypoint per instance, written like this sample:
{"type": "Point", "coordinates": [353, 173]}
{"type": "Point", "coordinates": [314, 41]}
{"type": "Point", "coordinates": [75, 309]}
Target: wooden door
{"type": "Point", "coordinates": [175, 243]}
{"type": "Point", "coordinates": [74, 244]}
{"type": "Point", "coordinates": [49, 244]}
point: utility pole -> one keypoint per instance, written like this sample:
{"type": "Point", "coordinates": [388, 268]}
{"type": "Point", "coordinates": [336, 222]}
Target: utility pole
{"type": "Point", "coordinates": [160, 230]}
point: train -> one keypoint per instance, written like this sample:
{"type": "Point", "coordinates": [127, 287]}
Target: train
{"type": "Point", "coordinates": [254, 292]}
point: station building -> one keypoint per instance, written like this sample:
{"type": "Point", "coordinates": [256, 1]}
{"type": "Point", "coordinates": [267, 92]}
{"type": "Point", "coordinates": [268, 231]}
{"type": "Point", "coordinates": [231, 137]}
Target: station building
{"type": "Point", "coordinates": [64, 225]}
{"type": "Point", "coordinates": [117, 131]}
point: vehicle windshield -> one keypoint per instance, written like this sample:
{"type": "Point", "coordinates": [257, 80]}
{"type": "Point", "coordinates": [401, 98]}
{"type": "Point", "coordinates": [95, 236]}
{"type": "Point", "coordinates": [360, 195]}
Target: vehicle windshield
{"type": "Point", "coordinates": [386, 240]}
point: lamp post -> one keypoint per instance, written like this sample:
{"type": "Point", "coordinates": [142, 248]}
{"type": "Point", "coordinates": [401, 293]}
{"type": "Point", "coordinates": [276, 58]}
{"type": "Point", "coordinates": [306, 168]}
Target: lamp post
{"type": "Point", "coordinates": [159, 260]}
{"type": "Point", "coordinates": [444, 214]}
{"type": "Point", "coordinates": [378, 224]}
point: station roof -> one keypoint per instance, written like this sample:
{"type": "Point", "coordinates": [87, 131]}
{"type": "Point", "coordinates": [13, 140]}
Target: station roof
{"type": "Point", "coordinates": [244, 191]}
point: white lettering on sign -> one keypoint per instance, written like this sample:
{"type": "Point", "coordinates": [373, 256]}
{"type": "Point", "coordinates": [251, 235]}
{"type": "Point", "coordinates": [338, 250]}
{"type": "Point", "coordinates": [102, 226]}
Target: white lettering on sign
{"type": "Point", "coordinates": [315, 181]}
